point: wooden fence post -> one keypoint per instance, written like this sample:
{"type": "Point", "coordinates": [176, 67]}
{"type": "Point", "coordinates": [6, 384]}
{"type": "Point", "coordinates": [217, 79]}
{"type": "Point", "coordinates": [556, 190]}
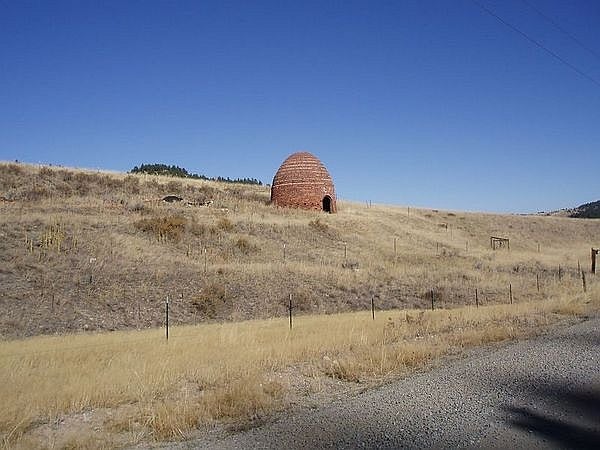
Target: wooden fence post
{"type": "Point", "coordinates": [290, 309]}
{"type": "Point", "coordinates": [373, 306]}
{"type": "Point", "coordinates": [510, 293]}
{"type": "Point", "coordinates": [432, 300]}
{"type": "Point", "coordinates": [167, 317]}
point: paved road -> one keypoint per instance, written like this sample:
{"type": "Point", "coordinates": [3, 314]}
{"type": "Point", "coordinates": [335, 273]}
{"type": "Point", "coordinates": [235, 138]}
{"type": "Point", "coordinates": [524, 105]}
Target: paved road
{"type": "Point", "coordinates": [543, 392]}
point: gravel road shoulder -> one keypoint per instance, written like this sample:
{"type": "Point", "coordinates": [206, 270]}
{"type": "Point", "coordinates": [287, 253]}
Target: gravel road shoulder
{"type": "Point", "coordinates": [538, 393]}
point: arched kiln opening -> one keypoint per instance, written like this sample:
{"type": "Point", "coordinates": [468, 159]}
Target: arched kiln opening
{"type": "Point", "coordinates": [327, 203]}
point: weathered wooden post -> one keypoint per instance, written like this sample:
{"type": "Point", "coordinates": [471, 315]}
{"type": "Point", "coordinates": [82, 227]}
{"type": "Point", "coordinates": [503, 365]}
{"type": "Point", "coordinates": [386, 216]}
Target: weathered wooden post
{"type": "Point", "coordinates": [594, 253]}
{"type": "Point", "coordinates": [373, 306]}
{"type": "Point", "coordinates": [167, 317]}
{"type": "Point", "coordinates": [205, 261]}
{"type": "Point", "coordinates": [537, 281]}
{"type": "Point", "coordinates": [583, 281]}
{"type": "Point", "coordinates": [510, 293]}
{"type": "Point", "coordinates": [283, 252]}
{"type": "Point", "coordinates": [290, 309]}
{"type": "Point", "coordinates": [476, 298]}
{"type": "Point", "coordinates": [432, 300]}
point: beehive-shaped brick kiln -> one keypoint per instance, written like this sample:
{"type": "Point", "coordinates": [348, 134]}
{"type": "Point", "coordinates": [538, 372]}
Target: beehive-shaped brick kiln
{"type": "Point", "coordinates": [302, 181]}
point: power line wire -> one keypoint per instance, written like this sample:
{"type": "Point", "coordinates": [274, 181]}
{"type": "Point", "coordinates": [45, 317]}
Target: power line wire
{"type": "Point", "coordinates": [535, 42]}
{"type": "Point", "coordinates": [562, 30]}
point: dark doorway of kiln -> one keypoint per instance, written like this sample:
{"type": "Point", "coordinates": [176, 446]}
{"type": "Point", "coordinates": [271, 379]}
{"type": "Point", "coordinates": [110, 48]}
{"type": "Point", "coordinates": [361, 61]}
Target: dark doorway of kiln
{"type": "Point", "coordinates": [327, 203]}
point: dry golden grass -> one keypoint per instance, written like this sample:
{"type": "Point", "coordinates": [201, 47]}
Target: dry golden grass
{"type": "Point", "coordinates": [87, 252]}
{"type": "Point", "coordinates": [237, 371]}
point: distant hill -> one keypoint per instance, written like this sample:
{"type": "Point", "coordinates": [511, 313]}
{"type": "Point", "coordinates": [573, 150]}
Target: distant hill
{"type": "Point", "coordinates": [587, 211]}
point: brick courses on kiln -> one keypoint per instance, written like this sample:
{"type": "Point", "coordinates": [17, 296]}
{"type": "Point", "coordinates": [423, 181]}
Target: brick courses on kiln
{"type": "Point", "coordinates": [302, 181]}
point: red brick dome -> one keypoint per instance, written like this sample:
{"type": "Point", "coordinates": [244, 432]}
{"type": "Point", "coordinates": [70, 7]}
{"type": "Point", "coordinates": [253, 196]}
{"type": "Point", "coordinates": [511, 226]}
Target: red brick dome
{"type": "Point", "coordinates": [302, 181]}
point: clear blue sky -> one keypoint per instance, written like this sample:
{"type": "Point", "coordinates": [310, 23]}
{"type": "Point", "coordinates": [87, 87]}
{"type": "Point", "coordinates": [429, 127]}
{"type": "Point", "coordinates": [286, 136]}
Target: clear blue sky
{"type": "Point", "coordinates": [425, 103]}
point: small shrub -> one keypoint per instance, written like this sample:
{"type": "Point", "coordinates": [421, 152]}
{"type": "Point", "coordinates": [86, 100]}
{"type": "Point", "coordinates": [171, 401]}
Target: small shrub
{"type": "Point", "coordinates": [134, 206]}
{"type": "Point", "coordinates": [225, 224]}
{"type": "Point", "coordinates": [174, 187]}
{"type": "Point", "coordinates": [46, 172]}
{"type": "Point", "coordinates": [245, 246]}
{"type": "Point", "coordinates": [66, 175]}
{"type": "Point", "coordinates": [318, 225]}
{"type": "Point", "coordinates": [302, 300]}
{"type": "Point", "coordinates": [13, 169]}
{"type": "Point", "coordinates": [211, 301]}
{"type": "Point", "coordinates": [345, 370]}
{"type": "Point", "coordinates": [199, 229]}
{"type": "Point", "coordinates": [163, 228]}
{"type": "Point", "coordinates": [131, 184]}
{"type": "Point", "coordinates": [37, 192]}
{"type": "Point", "coordinates": [64, 189]}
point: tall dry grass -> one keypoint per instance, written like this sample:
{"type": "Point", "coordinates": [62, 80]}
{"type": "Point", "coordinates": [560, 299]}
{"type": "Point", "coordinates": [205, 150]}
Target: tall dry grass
{"type": "Point", "coordinates": [159, 390]}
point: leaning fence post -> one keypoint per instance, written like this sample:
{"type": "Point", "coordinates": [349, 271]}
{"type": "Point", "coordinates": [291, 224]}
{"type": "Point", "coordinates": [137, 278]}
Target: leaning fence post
{"type": "Point", "coordinates": [510, 292]}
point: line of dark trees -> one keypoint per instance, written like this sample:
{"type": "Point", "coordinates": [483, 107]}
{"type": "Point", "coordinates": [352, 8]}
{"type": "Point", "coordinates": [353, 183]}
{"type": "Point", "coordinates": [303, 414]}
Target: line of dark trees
{"type": "Point", "coordinates": [176, 171]}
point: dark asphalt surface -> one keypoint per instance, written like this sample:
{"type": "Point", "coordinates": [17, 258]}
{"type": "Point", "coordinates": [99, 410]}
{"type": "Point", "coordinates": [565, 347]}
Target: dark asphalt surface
{"type": "Point", "coordinates": [539, 393]}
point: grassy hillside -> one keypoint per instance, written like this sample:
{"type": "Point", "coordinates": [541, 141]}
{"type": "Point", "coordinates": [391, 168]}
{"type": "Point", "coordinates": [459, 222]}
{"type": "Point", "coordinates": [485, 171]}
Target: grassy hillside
{"type": "Point", "coordinates": [86, 251]}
